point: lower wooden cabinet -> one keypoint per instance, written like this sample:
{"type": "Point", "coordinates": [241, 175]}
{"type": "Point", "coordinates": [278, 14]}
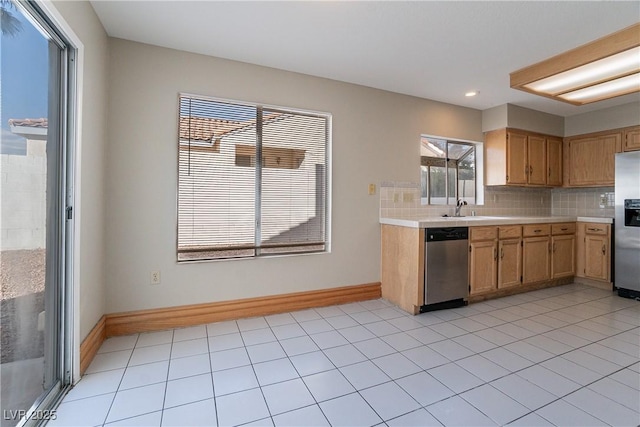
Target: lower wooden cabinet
{"type": "Point", "coordinates": [563, 250]}
{"type": "Point", "coordinates": [594, 251]}
{"type": "Point", "coordinates": [482, 266]}
{"type": "Point", "coordinates": [495, 258]}
{"type": "Point", "coordinates": [509, 263]}
{"type": "Point", "coordinates": [536, 260]}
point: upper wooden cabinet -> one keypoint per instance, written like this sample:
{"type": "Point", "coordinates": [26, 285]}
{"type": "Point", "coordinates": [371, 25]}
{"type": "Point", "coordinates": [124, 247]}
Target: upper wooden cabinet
{"type": "Point", "coordinates": [554, 161]}
{"type": "Point", "coordinates": [590, 159]}
{"type": "Point", "coordinates": [521, 158]}
{"type": "Point", "coordinates": [632, 139]}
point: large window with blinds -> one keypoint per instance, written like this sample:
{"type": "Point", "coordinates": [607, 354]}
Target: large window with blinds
{"type": "Point", "coordinates": [252, 180]}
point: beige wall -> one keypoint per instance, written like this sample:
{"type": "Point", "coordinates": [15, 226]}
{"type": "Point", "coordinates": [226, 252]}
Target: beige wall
{"type": "Point", "coordinates": [91, 160]}
{"type": "Point", "coordinates": [509, 115]}
{"type": "Point", "coordinates": [375, 138]}
{"type": "Point", "coordinates": [608, 118]}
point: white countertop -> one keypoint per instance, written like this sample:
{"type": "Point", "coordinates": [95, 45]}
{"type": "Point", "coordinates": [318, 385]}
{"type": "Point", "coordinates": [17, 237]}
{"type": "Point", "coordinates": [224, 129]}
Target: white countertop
{"type": "Point", "coordinates": [470, 221]}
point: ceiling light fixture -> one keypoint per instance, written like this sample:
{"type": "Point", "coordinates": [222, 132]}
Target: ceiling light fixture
{"type": "Point", "coordinates": [471, 93]}
{"type": "Point", "coordinates": [603, 69]}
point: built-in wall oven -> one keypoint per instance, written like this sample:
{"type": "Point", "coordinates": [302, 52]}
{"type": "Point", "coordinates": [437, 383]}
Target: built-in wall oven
{"type": "Point", "coordinates": [627, 225]}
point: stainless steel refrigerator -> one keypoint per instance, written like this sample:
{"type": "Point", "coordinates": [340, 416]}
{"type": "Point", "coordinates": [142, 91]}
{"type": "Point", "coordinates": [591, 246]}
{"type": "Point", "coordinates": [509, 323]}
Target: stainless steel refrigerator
{"type": "Point", "coordinates": [627, 225]}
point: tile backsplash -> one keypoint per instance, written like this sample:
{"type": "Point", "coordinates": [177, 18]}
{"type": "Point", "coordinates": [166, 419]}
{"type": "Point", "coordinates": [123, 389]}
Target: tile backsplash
{"type": "Point", "coordinates": [402, 200]}
{"type": "Point", "coordinates": [594, 202]}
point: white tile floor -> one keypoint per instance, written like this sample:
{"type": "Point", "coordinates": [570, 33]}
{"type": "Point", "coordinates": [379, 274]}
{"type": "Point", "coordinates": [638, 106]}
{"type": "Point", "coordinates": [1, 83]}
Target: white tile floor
{"type": "Point", "coordinates": [561, 356]}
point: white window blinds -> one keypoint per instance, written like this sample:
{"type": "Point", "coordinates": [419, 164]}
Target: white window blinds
{"type": "Point", "coordinates": [252, 181]}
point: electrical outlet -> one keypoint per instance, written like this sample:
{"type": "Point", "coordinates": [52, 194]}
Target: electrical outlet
{"type": "Point", "coordinates": [407, 197]}
{"type": "Point", "coordinates": [372, 189]}
{"type": "Point", "coordinates": [155, 277]}
{"type": "Point", "coordinates": [603, 200]}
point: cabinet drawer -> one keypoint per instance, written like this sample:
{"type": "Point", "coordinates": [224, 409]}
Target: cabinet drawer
{"type": "Point", "coordinates": [563, 228]}
{"type": "Point", "coordinates": [536, 230]}
{"type": "Point", "coordinates": [483, 233]}
{"type": "Point", "coordinates": [596, 228]}
{"type": "Point", "coordinates": [509, 232]}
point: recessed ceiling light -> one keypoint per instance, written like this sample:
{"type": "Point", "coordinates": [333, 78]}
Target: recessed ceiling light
{"type": "Point", "coordinates": [471, 93]}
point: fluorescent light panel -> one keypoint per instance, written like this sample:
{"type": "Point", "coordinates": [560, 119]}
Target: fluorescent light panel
{"type": "Point", "coordinates": [602, 69]}
{"type": "Point", "coordinates": [617, 87]}
{"type": "Point", "coordinates": [617, 65]}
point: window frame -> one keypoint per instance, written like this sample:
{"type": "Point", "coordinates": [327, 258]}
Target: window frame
{"type": "Point", "coordinates": [258, 171]}
{"type": "Point", "coordinates": [427, 162]}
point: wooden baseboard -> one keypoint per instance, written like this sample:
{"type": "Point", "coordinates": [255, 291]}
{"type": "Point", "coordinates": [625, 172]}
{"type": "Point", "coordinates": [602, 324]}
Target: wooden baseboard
{"type": "Point", "coordinates": [91, 344]}
{"type": "Point", "coordinates": [607, 286]}
{"type": "Point", "coordinates": [188, 315]}
{"type": "Point", "coordinates": [520, 289]}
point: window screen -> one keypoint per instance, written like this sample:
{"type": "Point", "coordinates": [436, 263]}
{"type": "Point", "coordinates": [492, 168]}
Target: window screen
{"type": "Point", "coordinates": [448, 171]}
{"type": "Point", "coordinates": [252, 180]}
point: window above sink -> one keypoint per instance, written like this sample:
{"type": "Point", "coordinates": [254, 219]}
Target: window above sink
{"type": "Point", "coordinates": [450, 170]}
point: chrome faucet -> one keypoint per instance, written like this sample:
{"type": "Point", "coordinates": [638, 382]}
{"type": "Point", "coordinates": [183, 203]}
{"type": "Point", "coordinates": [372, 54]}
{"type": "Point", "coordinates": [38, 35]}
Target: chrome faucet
{"type": "Point", "coordinates": [459, 204]}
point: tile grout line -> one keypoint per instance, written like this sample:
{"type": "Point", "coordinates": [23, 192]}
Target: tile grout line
{"type": "Point", "coordinates": [591, 299]}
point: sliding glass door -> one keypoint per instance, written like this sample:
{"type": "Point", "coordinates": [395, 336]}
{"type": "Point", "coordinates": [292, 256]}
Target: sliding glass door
{"type": "Point", "coordinates": [35, 215]}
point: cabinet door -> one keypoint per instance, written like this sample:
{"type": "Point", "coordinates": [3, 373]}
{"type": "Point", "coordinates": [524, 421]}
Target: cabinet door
{"type": "Point", "coordinates": [482, 266]}
{"type": "Point", "coordinates": [563, 256]}
{"type": "Point", "coordinates": [509, 263]}
{"type": "Point", "coordinates": [554, 161]}
{"type": "Point", "coordinates": [592, 160]}
{"type": "Point", "coordinates": [537, 156]}
{"type": "Point", "coordinates": [517, 168]}
{"type": "Point", "coordinates": [535, 259]}
{"type": "Point", "coordinates": [597, 257]}
{"type": "Point", "coordinates": [632, 139]}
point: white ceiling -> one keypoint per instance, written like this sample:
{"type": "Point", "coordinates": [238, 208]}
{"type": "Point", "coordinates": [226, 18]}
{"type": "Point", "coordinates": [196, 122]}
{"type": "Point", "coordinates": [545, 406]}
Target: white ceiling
{"type": "Point", "coordinates": [437, 50]}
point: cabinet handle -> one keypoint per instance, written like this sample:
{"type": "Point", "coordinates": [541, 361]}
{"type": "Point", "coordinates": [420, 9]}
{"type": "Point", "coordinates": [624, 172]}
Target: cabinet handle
{"type": "Point", "coordinates": [549, 246]}
{"type": "Point", "coordinates": [501, 253]}
{"type": "Point", "coordinates": [530, 170]}
{"type": "Point", "coordinates": [495, 253]}
{"type": "Point", "coordinates": [549, 172]}
{"type": "Point", "coordinates": [594, 229]}
{"type": "Point", "coordinates": [564, 229]}
{"type": "Point", "coordinates": [537, 231]}
{"type": "Point", "coordinates": [554, 247]}
{"type": "Point", "coordinates": [604, 250]}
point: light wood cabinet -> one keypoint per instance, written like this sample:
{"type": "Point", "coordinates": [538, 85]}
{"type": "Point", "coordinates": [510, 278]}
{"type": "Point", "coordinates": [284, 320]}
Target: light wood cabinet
{"type": "Point", "coordinates": [509, 263]}
{"type": "Point", "coordinates": [593, 251]}
{"type": "Point", "coordinates": [483, 266]}
{"type": "Point", "coordinates": [537, 160]}
{"type": "Point", "coordinates": [517, 157]}
{"type": "Point", "coordinates": [597, 257]}
{"type": "Point", "coordinates": [495, 258]}
{"type": "Point", "coordinates": [483, 255]}
{"type": "Point", "coordinates": [632, 139]}
{"type": "Point", "coordinates": [591, 159]}
{"type": "Point", "coordinates": [563, 250]}
{"type": "Point", "coordinates": [403, 266]}
{"type": "Point", "coordinates": [554, 161]}
{"type": "Point", "coordinates": [536, 253]}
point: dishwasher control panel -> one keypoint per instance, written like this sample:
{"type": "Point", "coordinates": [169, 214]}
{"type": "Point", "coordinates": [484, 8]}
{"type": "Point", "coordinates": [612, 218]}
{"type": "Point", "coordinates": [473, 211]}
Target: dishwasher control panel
{"type": "Point", "coordinates": [442, 234]}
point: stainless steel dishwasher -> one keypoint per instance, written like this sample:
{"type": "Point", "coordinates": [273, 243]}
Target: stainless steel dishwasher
{"type": "Point", "coordinates": [446, 276]}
